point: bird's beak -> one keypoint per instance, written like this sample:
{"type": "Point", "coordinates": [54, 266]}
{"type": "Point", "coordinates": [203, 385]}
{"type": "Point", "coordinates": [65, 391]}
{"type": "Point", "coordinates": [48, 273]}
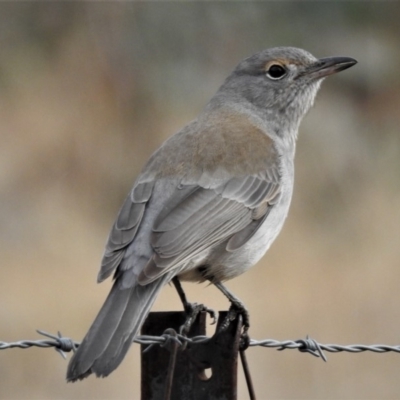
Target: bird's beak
{"type": "Point", "coordinates": [328, 66]}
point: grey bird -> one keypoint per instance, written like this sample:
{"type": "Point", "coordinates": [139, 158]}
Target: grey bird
{"type": "Point", "coordinates": [210, 201]}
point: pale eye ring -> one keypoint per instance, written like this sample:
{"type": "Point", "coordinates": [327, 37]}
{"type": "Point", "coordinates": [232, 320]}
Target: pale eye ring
{"type": "Point", "coordinates": [276, 72]}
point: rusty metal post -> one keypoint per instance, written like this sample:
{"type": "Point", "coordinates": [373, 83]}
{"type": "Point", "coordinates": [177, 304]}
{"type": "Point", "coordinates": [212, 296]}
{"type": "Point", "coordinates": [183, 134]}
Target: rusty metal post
{"type": "Point", "coordinates": [203, 371]}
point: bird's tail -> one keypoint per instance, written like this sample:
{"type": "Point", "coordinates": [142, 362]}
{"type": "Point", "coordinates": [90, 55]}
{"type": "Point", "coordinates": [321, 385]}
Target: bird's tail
{"type": "Point", "coordinates": [112, 332]}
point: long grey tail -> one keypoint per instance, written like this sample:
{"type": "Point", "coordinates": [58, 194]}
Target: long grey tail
{"type": "Point", "coordinates": [112, 332]}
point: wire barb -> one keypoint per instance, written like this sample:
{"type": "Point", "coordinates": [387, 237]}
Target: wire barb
{"type": "Point", "coordinates": [64, 344]}
{"type": "Point", "coordinates": [311, 346]}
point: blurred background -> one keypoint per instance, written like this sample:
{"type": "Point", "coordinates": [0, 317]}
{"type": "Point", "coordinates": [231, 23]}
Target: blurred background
{"type": "Point", "coordinates": [89, 90]}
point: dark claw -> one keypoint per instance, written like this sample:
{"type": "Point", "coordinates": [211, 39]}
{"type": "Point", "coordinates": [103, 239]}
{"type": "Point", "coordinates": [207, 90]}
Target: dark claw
{"type": "Point", "coordinates": [192, 310]}
{"type": "Point", "coordinates": [213, 314]}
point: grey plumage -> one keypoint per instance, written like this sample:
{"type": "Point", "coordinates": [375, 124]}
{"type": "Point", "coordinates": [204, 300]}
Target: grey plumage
{"type": "Point", "coordinates": [113, 330]}
{"type": "Point", "coordinates": [210, 201]}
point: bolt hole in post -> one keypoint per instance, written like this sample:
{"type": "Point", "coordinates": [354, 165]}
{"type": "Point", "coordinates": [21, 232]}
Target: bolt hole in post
{"type": "Point", "coordinates": [205, 374]}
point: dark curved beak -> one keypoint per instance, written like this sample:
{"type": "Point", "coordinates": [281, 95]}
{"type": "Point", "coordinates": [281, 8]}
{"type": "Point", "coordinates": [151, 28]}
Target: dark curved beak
{"type": "Point", "coordinates": [328, 66]}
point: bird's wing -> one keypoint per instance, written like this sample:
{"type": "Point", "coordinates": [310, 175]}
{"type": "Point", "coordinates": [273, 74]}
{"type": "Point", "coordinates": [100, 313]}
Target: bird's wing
{"type": "Point", "coordinates": [230, 212]}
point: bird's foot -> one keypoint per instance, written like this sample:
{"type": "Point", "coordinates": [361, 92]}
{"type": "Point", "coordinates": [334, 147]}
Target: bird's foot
{"type": "Point", "coordinates": [192, 311]}
{"type": "Point", "coordinates": [238, 308]}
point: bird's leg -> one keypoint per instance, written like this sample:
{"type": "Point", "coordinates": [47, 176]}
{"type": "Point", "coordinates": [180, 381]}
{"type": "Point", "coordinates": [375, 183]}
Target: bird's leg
{"type": "Point", "coordinates": [237, 307]}
{"type": "Point", "coordinates": [191, 309]}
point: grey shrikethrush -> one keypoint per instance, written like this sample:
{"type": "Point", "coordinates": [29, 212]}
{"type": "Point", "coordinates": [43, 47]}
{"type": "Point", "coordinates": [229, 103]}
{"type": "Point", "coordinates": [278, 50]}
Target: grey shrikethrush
{"type": "Point", "coordinates": [210, 201]}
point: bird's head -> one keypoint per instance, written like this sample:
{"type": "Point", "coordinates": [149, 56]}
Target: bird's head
{"type": "Point", "coordinates": [282, 82]}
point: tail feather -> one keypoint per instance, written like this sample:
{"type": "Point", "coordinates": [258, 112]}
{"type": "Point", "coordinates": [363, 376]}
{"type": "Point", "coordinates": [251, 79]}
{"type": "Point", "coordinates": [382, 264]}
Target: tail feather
{"type": "Point", "coordinates": [136, 311]}
{"type": "Point", "coordinates": [112, 332]}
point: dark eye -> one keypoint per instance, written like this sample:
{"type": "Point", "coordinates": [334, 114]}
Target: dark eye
{"type": "Point", "coordinates": [276, 72]}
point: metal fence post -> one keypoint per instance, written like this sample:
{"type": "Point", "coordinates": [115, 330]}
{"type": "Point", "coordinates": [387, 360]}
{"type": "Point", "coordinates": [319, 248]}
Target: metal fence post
{"type": "Point", "coordinates": [202, 371]}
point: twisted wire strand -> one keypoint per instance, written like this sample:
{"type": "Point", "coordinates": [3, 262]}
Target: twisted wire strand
{"type": "Point", "coordinates": [308, 345]}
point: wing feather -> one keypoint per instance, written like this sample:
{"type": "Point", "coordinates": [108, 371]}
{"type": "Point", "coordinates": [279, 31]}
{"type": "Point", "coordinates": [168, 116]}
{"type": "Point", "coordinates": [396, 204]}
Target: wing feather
{"type": "Point", "coordinates": [218, 213]}
{"type": "Point", "coordinates": [125, 228]}
{"type": "Point", "coordinates": [229, 212]}
{"type": "Point", "coordinates": [159, 265]}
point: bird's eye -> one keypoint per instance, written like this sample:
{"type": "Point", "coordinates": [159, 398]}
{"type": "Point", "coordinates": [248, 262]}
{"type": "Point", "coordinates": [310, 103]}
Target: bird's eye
{"type": "Point", "coordinates": [276, 72]}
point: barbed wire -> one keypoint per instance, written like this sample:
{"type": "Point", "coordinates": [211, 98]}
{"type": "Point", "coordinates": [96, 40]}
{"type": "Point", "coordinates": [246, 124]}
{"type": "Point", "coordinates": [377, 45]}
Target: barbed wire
{"type": "Point", "coordinates": [64, 344]}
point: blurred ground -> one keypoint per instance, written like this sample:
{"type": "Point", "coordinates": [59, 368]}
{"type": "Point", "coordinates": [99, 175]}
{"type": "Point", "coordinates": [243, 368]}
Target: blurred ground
{"type": "Point", "coordinates": [89, 90]}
